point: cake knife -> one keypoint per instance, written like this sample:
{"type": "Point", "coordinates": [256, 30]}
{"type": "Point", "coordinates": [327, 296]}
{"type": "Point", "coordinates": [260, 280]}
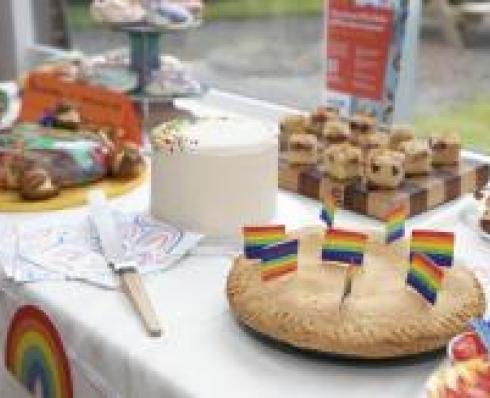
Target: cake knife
{"type": "Point", "coordinates": [102, 220]}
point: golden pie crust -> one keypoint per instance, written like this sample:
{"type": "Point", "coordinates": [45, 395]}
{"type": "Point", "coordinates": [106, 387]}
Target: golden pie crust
{"type": "Point", "coordinates": [381, 319]}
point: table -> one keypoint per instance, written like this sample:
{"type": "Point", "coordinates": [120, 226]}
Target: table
{"type": "Point", "coordinates": [204, 353]}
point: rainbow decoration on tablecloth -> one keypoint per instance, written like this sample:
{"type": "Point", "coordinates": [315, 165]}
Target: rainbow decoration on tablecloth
{"type": "Point", "coordinates": [34, 354]}
{"type": "Point", "coordinates": [395, 223]}
{"type": "Point", "coordinates": [425, 277]}
{"type": "Point", "coordinates": [279, 259]}
{"type": "Point", "coordinates": [327, 214]}
{"type": "Point", "coordinates": [344, 246]}
{"type": "Point", "coordinates": [438, 246]}
{"type": "Point", "coordinates": [257, 237]}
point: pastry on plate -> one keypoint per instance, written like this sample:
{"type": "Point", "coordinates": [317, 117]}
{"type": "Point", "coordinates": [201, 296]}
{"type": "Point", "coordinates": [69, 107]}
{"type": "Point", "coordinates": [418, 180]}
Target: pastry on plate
{"type": "Point", "coordinates": [36, 183]}
{"type": "Point", "coordinates": [119, 12]}
{"type": "Point", "coordinates": [342, 161]}
{"type": "Point", "coordinates": [399, 134]}
{"type": "Point", "coordinates": [446, 149]}
{"type": "Point", "coordinates": [302, 149]}
{"type": "Point", "coordinates": [380, 318]}
{"type": "Point", "coordinates": [336, 132]}
{"type": "Point", "coordinates": [385, 169]}
{"type": "Point", "coordinates": [418, 157]}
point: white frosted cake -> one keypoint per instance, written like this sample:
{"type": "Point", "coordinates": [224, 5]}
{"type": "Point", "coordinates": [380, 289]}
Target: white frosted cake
{"type": "Point", "coordinates": [214, 175]}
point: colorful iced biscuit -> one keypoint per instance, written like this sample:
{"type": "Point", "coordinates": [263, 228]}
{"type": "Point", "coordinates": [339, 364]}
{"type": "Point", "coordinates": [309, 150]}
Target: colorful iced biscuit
{"type": "Point", "coordinates": [446, 149]}
{"type": "Point", "coordinates": [336, 132]}
{"type": "Point", "coordinates": [400, 134]}
{"type": "Point", "coordinates": [418, 157]}
{"type": "Point", "coordinates": [319, 118]}
{"type": "Point", "coordinates": [343, 161]}
{"type": "Point", "coordinates": [385, 169]}
{"type": "Point", "coordinates": [362, 124]}
{"type": "Point", "coordinates": [302, 149]}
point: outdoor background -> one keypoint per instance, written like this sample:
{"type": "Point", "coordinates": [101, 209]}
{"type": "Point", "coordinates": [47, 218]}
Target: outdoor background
{"type": "Point", "coordinates": [273, 50]}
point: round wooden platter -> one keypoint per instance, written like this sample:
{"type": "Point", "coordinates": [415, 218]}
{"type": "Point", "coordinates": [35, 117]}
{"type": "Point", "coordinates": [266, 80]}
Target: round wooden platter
{"type": "Point", "coordinates": [11, 202]}
{"type": "Point", "coordinates": [381, 319]}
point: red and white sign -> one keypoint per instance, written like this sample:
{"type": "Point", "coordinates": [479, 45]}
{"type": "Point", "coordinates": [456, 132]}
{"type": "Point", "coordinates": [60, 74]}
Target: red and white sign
{"type": "Point", "coordinates": [358, 42]}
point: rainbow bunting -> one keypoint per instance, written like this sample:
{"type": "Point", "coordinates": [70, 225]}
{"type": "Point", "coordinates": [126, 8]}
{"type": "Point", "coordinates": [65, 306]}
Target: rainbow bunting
{"type": "Point", "coordinates": [425, 277]}
{"type": "Point", "coordinates": [327, 214]}
{"type": "Point", "coordinates": [279, 259]}
{"type": "Point", "coordinates": [395, 223]}
{"type": "Point", "coordinates": [438, 246]}
{"type": "Point", "coordinates": [344, 246]}
{"type": "Point", "coordinates": [257, 237]}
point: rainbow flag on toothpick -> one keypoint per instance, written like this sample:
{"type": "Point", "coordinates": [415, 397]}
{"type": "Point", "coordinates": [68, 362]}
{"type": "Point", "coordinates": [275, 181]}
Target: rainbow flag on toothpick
{"type": "Point", "coordinates": [438, 246]}
{"type": "Point", "coordinates": [425, 277]}
{"type": "Point", "coordinates": [279, 259]}
{"type": "Point", "coordinates": [257, 237]}
{"type": "Point", "coordinates": [327, 214]}
{"type": "Point", "coordinates": [395, 223]}
{"type": "Point", "coordinates": [344, 246]}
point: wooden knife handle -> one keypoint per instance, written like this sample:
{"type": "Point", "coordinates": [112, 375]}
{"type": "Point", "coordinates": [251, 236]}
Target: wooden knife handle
{"type": "Point", "coordinates": [132, 285]}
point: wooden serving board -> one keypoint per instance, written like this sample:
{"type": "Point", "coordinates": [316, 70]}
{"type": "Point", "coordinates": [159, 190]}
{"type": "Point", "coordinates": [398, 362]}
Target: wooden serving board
{"type": "Point", "coordinates": [419, 194]}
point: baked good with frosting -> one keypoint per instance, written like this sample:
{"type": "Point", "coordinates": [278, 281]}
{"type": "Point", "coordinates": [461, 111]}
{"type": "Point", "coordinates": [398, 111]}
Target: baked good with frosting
{"type": "Point", "coordinates": [418, 157]}
{"type": "Point", "coordinates": [336, 132]}
{"type": "Point", "coordinates": [343, 161]}
{"type": "Point", "coordinates": [382, 317]}
{"type": "Point", "coordinates": [302, 149]}
{"type": "Point", "coordinates": [215, 174]}
{"type": "Point", "coordinates": [446, 149]}
{"type": "Point", "coordinates": [399, 134]}
{"type": "Point", "coordinates": [385, 169]}
{"type": "Point", "coordinates": [293, 124]}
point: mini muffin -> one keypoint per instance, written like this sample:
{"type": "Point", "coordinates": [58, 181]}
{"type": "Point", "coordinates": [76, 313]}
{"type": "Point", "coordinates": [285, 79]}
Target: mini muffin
{"type": "Point", "coordinates": [446, 149]}
{"type": "Point", "coordinates": [302, 149]}
{"type": "Point", "coordinates": [293, 124]}
{"type": "Point", "coordinates": [399, 134]}
{"type": "Point", "coordinates": [319, 118]}
{"type": "Point", "coordinates": [336, 132]}
{"type": "Point", "coordinates": [385, 169]}
{"type": "Point", "coordinates": [343, 161]}
{"type": "Point", "coordinates": [372, 141]}
{"type": "Point", "coordinates": [36, 183]}
{"type": "Point", "coordinates": [362, 124]}
{"type": "Point", "coordinates": [418, 157]}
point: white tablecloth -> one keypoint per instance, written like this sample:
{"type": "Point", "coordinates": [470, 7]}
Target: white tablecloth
{"type": "Point", "coordinates": [204, 353]}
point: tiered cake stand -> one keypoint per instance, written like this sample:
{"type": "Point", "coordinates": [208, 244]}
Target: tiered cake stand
{"type": "Point", "coordinates": [145, 46]}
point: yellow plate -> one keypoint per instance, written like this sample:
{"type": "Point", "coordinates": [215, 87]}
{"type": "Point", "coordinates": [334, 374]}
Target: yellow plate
{"type": "Point", "coordinates": [10, 201]}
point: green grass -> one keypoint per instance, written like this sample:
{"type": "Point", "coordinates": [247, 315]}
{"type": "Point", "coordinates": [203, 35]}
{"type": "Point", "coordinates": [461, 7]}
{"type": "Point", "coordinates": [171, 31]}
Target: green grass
{"type": "Point", "coordinates": [79, 18]}
{"type": "Point", "coordinates": [471, 121]}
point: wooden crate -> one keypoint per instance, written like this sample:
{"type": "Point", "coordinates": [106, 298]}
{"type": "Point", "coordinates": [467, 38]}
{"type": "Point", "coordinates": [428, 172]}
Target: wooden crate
{"type": "Point", "coordinates": [419, 194]}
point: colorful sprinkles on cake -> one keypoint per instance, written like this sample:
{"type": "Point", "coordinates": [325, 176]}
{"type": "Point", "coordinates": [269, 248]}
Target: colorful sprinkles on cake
{"type": "Point", "coordinates": [34, 354]}
{"type": "Point", "coordinates": [279, 259]}
{"type": "Point", "coordinates": [344, 246]}
{"type": "Point", "coordinates": [257, 237]}
{"type": "Point", "coordinates": [437, 245]}
{"type": "Point", "coordinates": [395, 223]}
{"type": "Point", "coordinates": [425, 277]}
{"type": "Point", "coordinates": [329, 208]}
